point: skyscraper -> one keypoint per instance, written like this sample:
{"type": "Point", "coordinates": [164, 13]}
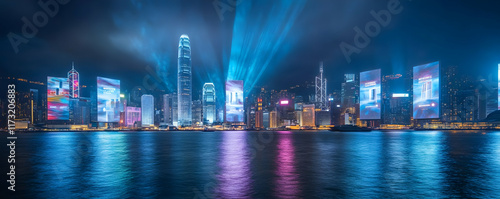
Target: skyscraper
{"type": "Point", "coordinates": [147, 108]}
{"type": "Point", "coordinates": [209, 99]}
{"type": "Point", "coordinates": [74, 82]}
{"type": "Point", "coordinates": [320, 85]}
{"type": "Point", "coordinates": [184, 82]}
{"type": "Point", "coordinates": [350, 97]}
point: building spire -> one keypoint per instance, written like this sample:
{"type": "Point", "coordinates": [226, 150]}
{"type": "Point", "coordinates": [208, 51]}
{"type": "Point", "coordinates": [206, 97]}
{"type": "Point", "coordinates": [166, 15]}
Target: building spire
{"type": "Point", "coordinates": [73, 65]}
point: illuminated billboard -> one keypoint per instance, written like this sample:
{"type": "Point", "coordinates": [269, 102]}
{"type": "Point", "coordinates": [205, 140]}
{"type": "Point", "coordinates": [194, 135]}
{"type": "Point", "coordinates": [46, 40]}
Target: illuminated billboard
{"type": "Point", "coordinates": [369, 99]}
{"type": "Point", "coordinates": [234, 101]}
{"type": "Point", "coordinates": [57, 98]}
{"type": "Point", "coordinates": [108, 100]}
{"type": "Point", "coordinates": [426, 91]}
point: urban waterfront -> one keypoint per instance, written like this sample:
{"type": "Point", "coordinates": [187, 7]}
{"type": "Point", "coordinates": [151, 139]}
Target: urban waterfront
{"type": "Point", "coordinates": [264, 164]}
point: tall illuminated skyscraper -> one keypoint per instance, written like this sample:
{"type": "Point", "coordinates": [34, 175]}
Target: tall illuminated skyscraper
{"type": "Point", "coordinates": [184, 82]}
{"type": "Point", "coordinates": [209, 110]}
{"type": "Point", "coordinates": [74, 82]}
{"type": "Point", "coordinates": [147, 108]}
{"type": "Point", "coordinates": [320, 84]}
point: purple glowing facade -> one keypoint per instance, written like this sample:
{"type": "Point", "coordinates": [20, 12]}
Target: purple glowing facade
{"type": "Point", "coordinates": [234, 101]}
{"type": "Point", "coordinates": [108, 100]}
{"type": "Point", "coordinates": [132, 116]}
{"type": "Point", "coordinates": [57, 98]}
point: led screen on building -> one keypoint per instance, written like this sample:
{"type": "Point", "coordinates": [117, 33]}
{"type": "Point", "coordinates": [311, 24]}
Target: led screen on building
{"type": "Point", "coordinates": [369, 99]}
{"type": "Point", "coordinates": [108, 100]}
{"type": "Point", "coordinates": [426, 91]}
{"type": "Point", "coordinates": [234, 101]}
{"type": "Point", "coordinates": [57, 98]}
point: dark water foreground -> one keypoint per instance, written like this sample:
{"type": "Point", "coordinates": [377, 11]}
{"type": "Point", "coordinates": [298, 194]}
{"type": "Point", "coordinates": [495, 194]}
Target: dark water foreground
{"type": "Point", "coordinates": [256, 165]}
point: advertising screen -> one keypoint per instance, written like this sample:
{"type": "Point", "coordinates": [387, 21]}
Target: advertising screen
{"type": "Point", "coordinates": [234, 101]}
{"type": "Point", "coordinates": [426, 91]}
{"type": "Point", "coordinates": [108, 100]}
{"type": "Point", "coordinates": [369, 99]}
{"type": "Point", "coordinates": [57, 98]}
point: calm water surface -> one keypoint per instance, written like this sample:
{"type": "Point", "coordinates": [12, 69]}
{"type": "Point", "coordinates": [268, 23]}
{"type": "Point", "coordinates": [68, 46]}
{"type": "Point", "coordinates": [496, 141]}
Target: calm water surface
{"type": "Point", "coordinates": [257, 165]}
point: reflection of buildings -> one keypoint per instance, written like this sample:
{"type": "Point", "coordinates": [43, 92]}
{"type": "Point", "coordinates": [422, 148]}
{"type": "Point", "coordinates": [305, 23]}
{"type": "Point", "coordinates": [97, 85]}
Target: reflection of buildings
{"type": "Point", "coordinates": [184, 82]}
{"type": "Point", "coordinates": [234, 180]}
{"type": "Point", "coordinates": [209, 104]}
{"type": "Point", "coordinates": [147, 108]}
{"type": "Point", "coordinates": [287, 178]}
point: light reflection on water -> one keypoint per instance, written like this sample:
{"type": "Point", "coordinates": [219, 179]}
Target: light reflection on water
{"type": "Point", "coordinates": [241, 165]}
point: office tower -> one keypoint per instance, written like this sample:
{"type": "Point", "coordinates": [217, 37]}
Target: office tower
{"type": "Point", "coordinates": [459, 98]}
{"type": "Point", "coordinates": [79, 110]}
{"type": "Point", "coordinates": [320, 85]}
{"type": "Point", "coordinates": [234, 112]}
{"type": "Point", "coordinates": [266, 119]}
{"type": "Point", "coordinates": [322, 118]}
{"type": "Point", "coordinates": [197, 113]}
{"type": "Point", "coordinates": [167, 109]}
{"type": "Point", "coordinates": [298, 112]}
{"type": "Point", "coordinates": [34, 109]}
{"type": "Point", "coordinates": [132, 116]}
{"type": "Point", "coordinates": [147, 108]}
{"type": "Point", "coordinates": [308, 115]}
{"type": "Point", "coordinates": [209, 104]}
{"type": "Point", "coordinates": [350, 97]}
{"type": "Point", "coordinates": [74, 82]}
{"type": "Point", "coordinates": [184, 82]}
{"type": "Point", "coordinates": [397, 102]}
{"type": "Point", "coordinates": [259, 114]}
{"type": "Point", "coordinates": [273, 119]}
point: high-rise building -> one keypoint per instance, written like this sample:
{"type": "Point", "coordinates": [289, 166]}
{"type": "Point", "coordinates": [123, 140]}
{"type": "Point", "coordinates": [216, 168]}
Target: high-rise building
{"type": "Point", "coordinates": [184, 82]}
{"type": "Point", "coordinates": [459, 98]}
{"type": "Point", "coordinates": [266, 119]}
{"type": "Point", "coordinates": [74, 82]}
{"type": "Point", "coordinates": [273, 119]}
{"type": "Point", "coordinates": [320, 84]}
{"type": "Point", "coordinates": [79, 110]}
{"type": "Point", "coordinates": [197, 113]}
{"type": "Point", "coordinates": [147, 108]}
{"type": "Point", "coordinates": [132, 116]}
{"type": "Point", "coordinates": [209, 104]}
{"type": "Point", "coordinates": [322, 117]}
{"type": "Point", "coordinates": [350, 97]}
{"type": "Point", "coordinates": [167, 109]}
{"type": "Point", "coordinates": [308, 115]}
{"type": "Point", "coordinates": [397, 102]}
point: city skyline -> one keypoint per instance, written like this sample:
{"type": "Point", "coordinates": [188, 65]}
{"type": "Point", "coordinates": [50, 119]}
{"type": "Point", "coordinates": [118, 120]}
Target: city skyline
{"type": "Point", "coordinates": [126, 47]}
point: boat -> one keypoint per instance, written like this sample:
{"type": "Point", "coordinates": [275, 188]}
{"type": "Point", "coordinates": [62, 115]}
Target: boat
{"type": "Point", "coordinates": [350, 128]}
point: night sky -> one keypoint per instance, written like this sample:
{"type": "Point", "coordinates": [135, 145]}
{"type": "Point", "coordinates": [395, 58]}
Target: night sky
{"type": "Point", "coordinates": [275, 43]}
